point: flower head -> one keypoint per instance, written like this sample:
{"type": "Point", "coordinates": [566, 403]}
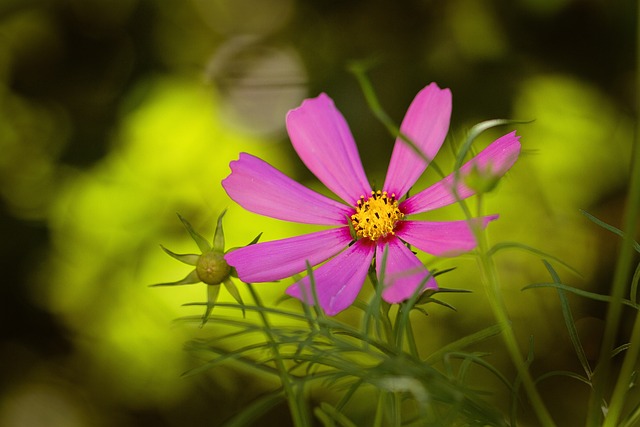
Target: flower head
{"type": "Point", "coordinates": [369, 223]}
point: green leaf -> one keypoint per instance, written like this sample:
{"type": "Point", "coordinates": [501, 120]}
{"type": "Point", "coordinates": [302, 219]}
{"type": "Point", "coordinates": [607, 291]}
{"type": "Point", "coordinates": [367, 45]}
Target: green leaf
{"type": "Point", "coordinates": [464, 342]}
{"type": "Point", "coordinates": [202, 243]}
{"type": "Point", "coordinates": [571, 326]}
{"type": "Point", "coordinates": [586, 294]}
{"type": "Point", "coordinates": [359, 70]}
{"type": "Point", "coordinates": [635, 281]}
{"type": "Point", "coordinates": [191, 259]}
{"type": "Point", "coordinates": [514, 245]}
{"type": "Point", "coordinates": [567, 374]}
{"type": "Point", "coordinates": [218, 237]}
{"type": "Point", "coordinates": [616, 351]}
{"type": "Point", "coordinates": [633, 418]}
{"type": "Point", "coordinates": [478, 359]}
{"type": "Point", "coordinates": [250, 414]}
{"type": "Point", "coordinates": [190, 279]}
{"type": "Point", "coordinates": [330, 414]}
{"type": "Point", "coordinates": [611, 228]}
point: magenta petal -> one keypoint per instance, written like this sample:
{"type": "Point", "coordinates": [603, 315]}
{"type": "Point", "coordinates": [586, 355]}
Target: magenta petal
{"type": "Point", "coordinates": [259, 187]}
{"type": "Point", "coordinates": [403, 272]}
{"type": "Point", "coordinates": [322, 139]}
{"type": "Point", "coordinates": [426, 124]}
{"type": "Point", "coordinates": [496, 159]}
{"type": "Point", "coordinates": [275, 260]}
{"type": "Point", "coordinates": [441, 238]}
{"type": "Point", "coordinates": [337, 282]}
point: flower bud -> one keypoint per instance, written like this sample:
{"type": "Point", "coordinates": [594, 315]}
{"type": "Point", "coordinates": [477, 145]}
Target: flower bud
{"type": "Point", "coordinates": [482, 180]}
{"type": "Point", "coordinates": [212, 269]}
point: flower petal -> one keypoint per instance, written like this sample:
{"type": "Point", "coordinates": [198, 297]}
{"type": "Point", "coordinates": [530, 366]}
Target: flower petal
{"type": "Point", "coordinates": [322, 139]}
{"type": "Point", "coordinates": [403, 272]}
{"type": "Point", "coordinates": [275, 260]}
{"type": "Point", "coordinates": [426, 125]}
{"type": "Point", "coordinates": [496, 159]}
{"type": "Point", "coordinates": [259, 187]}
{"type": "Point", "coordinates": [339, 281]}
{"type": "Point", "coordinates": [448, 238]}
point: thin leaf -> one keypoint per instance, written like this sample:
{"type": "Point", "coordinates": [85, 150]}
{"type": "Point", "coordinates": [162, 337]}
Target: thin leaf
{"type": "Point", "coordinates": [478, 360]}
{"type": "Point", "coordinates": [359, 70]}
{"type": "Point", "coordinates": [250, 414]}
{"type": "Point", "coordinates": [570, 323]}
{"type": "Point", "coordinates": [334, 414]}
{"type": "Point", "coordinates": [567, 374]}
{"type": "Point", "coordinates": [190, 279]}
{"type": "Point", "coordinates": [635, 281]}
{"type": "Point", "coordinates": [226, 355]}
{"type": "Point", "coordinates": [515, 245]}
{"type": "Point", "coordinates": [349, 394]}
{"type": "Point", "coordinates": [611, 228]}
{"type": "Point", "coordinates": [633, 417]}
{"type": "Point", "coordinates": [464, 342]}
{"type": "Point", "coordinates": [190, 259]}
{"type": "Point", "coordinates": [616, 351]}
{"type": "Point", "coordinates": [200, 241]}
{"type": "Point", "coordinates": [586, 294]}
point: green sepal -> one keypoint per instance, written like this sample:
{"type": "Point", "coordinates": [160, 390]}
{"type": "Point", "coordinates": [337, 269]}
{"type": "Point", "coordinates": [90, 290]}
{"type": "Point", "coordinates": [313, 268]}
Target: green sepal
{"type": "Point", "coordinates": [218, 237]}
{"type": "Point", "coordinates": [255, 239]}
{"type": "Point", "coordinates": [253, 242]}
{"type": "Point", "coordinates": [426, 296]}
{"type": "Point", "coordinates": [436, 301]}
{"type": "Point", "coordinates": [233, 290]}
{"type": "Point", "coordinates": [212, 297]}
{"type": "Point", "coordinates": [191, 259]}
{"type": "Point", "coordinates": [189, 280]}
{"type": "Point", "coordinates": [202, 243]}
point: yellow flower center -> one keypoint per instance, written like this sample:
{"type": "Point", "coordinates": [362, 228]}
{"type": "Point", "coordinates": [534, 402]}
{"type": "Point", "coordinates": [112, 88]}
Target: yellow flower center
{"type": "Point", "coordinates": [376, 216]}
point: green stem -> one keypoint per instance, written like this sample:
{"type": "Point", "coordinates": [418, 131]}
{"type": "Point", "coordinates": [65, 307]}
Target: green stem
{"type": "Point", "coordinates": [293, 391]}
{"type": "Point", "coordinates": [620, 281]}
{"type": "Point", "coordinates": [492, 287]}
{"type": "Point", "coordinates": [387, 327]}
{"type": "Point", "coordinates": [397, 408]}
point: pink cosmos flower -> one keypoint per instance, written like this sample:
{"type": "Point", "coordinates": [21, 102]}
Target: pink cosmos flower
{"type": "Point", "coordinates": [322, 139]}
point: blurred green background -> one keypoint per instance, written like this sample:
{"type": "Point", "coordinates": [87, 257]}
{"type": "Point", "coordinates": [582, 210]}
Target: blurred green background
{"type": "Point", "coordinates": [115, 115]}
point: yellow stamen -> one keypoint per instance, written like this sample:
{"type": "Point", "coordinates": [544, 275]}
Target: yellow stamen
{"type": "Point", "coordinates": [376, 216]}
